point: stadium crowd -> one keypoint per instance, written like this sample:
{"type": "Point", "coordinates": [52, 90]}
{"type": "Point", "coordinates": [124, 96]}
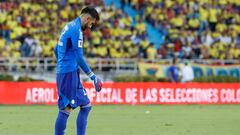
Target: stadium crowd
{"type": "Point", "coordinates": [191, 29]}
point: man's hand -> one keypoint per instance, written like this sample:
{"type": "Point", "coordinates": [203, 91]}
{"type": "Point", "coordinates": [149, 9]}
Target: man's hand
{"type": "Point", "coordinates": [97, 84]}
{"type": "Point", "coordinates": [96, 81]}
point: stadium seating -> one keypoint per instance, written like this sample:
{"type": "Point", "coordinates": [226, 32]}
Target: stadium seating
{"type": "Point", "coordinates": [206, 29]}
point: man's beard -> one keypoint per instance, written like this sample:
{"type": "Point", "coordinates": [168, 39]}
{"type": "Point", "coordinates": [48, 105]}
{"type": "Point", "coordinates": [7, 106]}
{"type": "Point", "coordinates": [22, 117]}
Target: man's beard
{"type": "Point", "coordinates": [84, 27]}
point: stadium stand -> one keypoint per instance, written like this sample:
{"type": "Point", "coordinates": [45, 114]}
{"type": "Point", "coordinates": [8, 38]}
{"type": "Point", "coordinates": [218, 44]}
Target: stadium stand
{"type": "Point", "coordinates": [209, 29]}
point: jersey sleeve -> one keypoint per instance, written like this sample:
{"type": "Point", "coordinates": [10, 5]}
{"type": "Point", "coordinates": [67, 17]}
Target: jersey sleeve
{"type": "Point", "coordinates": [81, 60]}
{"type": "Point", "coordinates": [61, 47]}
{"type": "Point", "coordinates": [78, 52]}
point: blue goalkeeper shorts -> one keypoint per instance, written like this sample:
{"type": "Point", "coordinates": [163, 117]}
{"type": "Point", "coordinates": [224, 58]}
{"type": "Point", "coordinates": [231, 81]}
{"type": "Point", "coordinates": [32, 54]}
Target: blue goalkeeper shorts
{"type": "Point", "coordinates": [70, 90]}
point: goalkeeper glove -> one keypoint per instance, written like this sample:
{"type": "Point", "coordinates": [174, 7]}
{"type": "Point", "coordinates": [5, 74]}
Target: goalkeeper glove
{"type": "Point", "coordinates": [96, 82]}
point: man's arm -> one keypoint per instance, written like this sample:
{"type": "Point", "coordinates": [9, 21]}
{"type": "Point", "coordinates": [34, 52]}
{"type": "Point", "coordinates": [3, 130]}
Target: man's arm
{"type": "Point", "coordinates": [84, 66]}
{"type": "Point", "coordinates": [82, 62]}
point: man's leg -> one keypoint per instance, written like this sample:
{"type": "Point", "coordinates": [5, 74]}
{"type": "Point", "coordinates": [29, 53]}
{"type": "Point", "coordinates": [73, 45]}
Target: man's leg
{"type": "Point", "coordinates": [82, 119]}
{"type": "Point", "coordinates": [61, 121]}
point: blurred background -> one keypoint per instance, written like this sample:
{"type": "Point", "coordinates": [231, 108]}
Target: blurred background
{"type": "Point", "coordinates": [183, 43]}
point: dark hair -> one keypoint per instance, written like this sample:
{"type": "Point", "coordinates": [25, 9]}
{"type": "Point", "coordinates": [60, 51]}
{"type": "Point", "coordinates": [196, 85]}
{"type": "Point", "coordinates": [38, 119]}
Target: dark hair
{"type": "Point", "coordinates": [91, 11]}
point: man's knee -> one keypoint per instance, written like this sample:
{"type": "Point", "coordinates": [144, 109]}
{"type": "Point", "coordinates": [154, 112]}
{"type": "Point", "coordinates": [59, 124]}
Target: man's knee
{"type": "Point", "coordinates": [87, 107]}
{"type": "Point", "coordinates": [68, 109]}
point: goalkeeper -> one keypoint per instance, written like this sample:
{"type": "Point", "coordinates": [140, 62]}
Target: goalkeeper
{"type": "Point", "coordinates": [69, 55]}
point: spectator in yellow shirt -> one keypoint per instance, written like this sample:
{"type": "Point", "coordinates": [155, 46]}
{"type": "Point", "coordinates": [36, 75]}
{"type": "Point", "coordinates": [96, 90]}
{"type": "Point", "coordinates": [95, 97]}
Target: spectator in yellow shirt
{"type": "Point", "coordinates": [234, 52]}
{"type": "Point", "coordinates": [102, 51]}
{"type": "Point", "coordinates": [178, 21]}
{"type": "Point", "coordinates": [194, 23]}
{"type": "Point", "coordinates": [212, 18]}
{"type": "Point", "coordinates": [213, 52]}
{"type": "Point", "coordinates": [151, 52]}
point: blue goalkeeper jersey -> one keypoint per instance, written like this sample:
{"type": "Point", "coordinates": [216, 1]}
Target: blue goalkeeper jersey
{"type": "Point", "coordinates": [69, 49]}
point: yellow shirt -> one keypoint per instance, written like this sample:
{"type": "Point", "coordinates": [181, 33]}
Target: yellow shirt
{"type": "Point", "coordinates": [201, 2]}
{"type": "Point", "coordinates": [222, 56]}
{"type": "Point", "coordinates": [16, 54]}
{"type": "Point", "coordinates": [3, 17]}
{"type": "Point", "coordinates": [141, 27]}
{"type": "Point", "coordinates": [127, 43]}
{"type": "Point", "coordinates": [126, 55]}
{"type": "Point", "coordinates": [232, 53]}
{"type": "Point", "coordinates": [155, 1]}
{"type": "Point", "coordinates": [115, 54]}
{"type": "Point", "coordinates": [116, 44]}
{"type": "Point", "coordinates": [52, 43]}
{"type": "Point", "coordinates": [86, 45]}
{"type": "Point", "coordinates": [118, 54]}
{"type": "Point", "coordinates": [25, 5]}
{"type": "Point", "coordinates": [115, 31]}
{"type": "Point", "coordinates": [177, 21]}
{"type": "Point", "coordinates": [125, 32]}
{"type": "Point", "coordinates": [16, 44]}
{"type": "Point", "coordinates": [102, 51]}
{"type": "Point", "coordinates": [96, 40]}
{"type": "Point", "coordinates": [2, 43]}
{"type": "Point", "coordinates": [236, 28]}
{"type": "Point", "coordinates": [149, 9]}
{"type": "Point", "coordinates": [213, 52]}
{"type": "Point", "coordinates": [212, 15]}
{"type": "Point", "coordinates": [236, 53]}
{"type": "Point", "coordinates": [112, 52]}
{"type": "Point", "coordinates": [173, 33]}
{"type": "Point", "coordinates": [133, 51]}
{"type": "Point", "coordinates": [237, 2]}
{"type": "Point", "coordinates": [107, 42]}
{"type": "Point", "coordinates": [161, 17]}
{"type": "Point", "coordinates": [180, 1]}
{"type": "Point", "coordinates": [223, 2]}
{"type": "Point", "coordinates": [72, 1]}
{"type": "Point", "coordinates": [144, 44]}
{"type": "Point", "coordinates": [94, 50]}
{"type": "Point", "coordinates": [126, 21]}
{"type": "Point", "coordinates": [64, 14]}
{"type": "Point", "coordinates": [173, 21]}
{"type": "Point", "coordinates": [47, 50]}
{"type": "Point", "coordinates": [151, 53]}
{"type": "Point", "coordinates": [35, 7]}
{"type": "Point", "coordinates": [43, 14]}
{"type": "Point", "coordinates": [194, 23]}
{"type": "Point", "coordinates": [12, 24]}
{"type": "Point", "coordinates": [20, 30]}
{"type": "Point", "coordinates": [221, 27]}
{"type": "Point", "coordinates": [221, 47]}
{"type": "Point", "coordinates": [169, 3]}
{"type": "Point", "coordinates": [216, 34]}
{"type": "Point", "coordinates": [203, 14]}
{"type": "Point", "coordinates": [5, 54]}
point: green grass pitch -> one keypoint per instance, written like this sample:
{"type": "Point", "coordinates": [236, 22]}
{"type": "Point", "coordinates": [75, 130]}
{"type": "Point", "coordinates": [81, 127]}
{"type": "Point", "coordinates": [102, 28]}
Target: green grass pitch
{"type": "Point", "coordinates": [127, 120]}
